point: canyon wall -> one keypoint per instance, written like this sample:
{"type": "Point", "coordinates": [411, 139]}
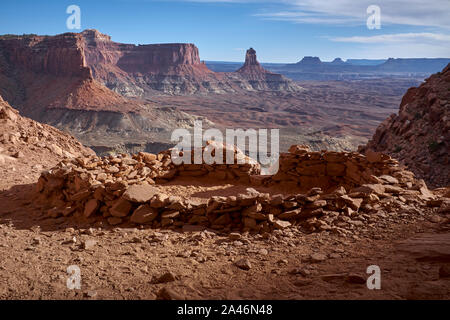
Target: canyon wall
{"type": "Point", "coordinates": [48, 79]}
{"type": "Point", "coordinates": [419, 134]}
{"type": "Point", "coordinates": [146, 70]}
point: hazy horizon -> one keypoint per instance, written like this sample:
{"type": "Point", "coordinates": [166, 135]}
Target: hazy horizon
{"type": "Point", "coordinates": [280, 31]}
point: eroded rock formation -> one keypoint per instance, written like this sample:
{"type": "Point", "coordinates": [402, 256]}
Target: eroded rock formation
{"type": "Point", "coordinates": [130, 70]}
{"type": "Point", "coordinates": [261, 79]}
{"type": "Point", "coordinates": [419, 135]}
{"type": "Point", "coordinates": [146, 70]}
{"type": "Point", "coordinates": [48, 79]}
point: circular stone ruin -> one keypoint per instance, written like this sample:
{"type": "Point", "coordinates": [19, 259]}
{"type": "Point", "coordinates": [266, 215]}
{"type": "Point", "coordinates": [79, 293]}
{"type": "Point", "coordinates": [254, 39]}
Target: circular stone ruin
{"type": "Point", "coordinates": [316, 191]}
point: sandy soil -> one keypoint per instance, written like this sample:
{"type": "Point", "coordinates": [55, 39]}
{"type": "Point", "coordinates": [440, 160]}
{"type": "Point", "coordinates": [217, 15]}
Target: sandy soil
{"type": "Point", "coordinates": [347, 110]}
{"type": "Point", "coordinates": [126, 262]}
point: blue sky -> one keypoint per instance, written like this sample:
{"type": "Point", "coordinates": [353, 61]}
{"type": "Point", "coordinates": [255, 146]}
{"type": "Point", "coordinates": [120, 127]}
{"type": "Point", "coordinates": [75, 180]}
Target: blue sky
{"type": "Point", "coordinates": [280, 31]}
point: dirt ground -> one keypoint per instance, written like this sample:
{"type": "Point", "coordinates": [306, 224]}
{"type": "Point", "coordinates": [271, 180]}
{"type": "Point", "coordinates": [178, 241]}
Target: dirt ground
{"type": "Point", "coordinates": [139, 263]}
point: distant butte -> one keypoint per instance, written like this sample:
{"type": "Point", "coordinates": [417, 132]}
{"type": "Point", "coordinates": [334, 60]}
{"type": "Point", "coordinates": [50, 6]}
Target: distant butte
{"type": "Point", "coordinates": [251, 65]}
{"type": "Point", "coordinates": [174, 68]}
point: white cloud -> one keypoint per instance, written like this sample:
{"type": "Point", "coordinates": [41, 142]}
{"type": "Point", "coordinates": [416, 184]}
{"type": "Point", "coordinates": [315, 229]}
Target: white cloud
{"type": "Point", "coordinates": [433, 13]}
{"type": "Point", "coordinates": [414, 50]}
{"type": "Point", "coordinates": [422, 37]}
{"type": "Point", "coordinates": [406, 45]}
{"type": "Point", "coordinates": [430, 17]}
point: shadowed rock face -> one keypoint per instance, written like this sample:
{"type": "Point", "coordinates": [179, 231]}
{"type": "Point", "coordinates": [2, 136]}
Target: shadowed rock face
{"type": "Point", "coordinates": [419, 135]}
{"type": "Point", "coordinates": [250, 58]}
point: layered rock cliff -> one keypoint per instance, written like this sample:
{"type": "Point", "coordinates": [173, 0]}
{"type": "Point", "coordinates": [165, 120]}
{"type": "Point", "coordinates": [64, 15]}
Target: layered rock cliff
{"type": "Point", "coordinates": [38, 73]}
{"type": "Point", "coordinates": [419, 135]}
{"type": "Point", "coordinates": [146, 70]}
{"type": "Point", "coordinates": [48, 79]}
{"type": "Point", "coordinates": [127, 69]}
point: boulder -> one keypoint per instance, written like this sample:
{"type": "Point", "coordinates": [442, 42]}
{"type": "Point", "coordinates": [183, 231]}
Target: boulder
{"type": "Point", "coordinates": [121, 208]}
{"type": "Point", "coordinates": [90, 207]}
{"type": "Point", "coordinates": [144, 214]}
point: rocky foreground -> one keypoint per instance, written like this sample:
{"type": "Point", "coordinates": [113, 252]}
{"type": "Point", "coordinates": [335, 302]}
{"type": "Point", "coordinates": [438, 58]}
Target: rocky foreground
{"type": "Point", "coordinates": [143, 227]}
{"type": "Point", "coordinates": [27, 147]}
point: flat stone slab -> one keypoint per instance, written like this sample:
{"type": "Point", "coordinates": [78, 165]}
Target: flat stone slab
{"type": "Point", "coordinates": [140, 193]}
{"type": "Point", "coordinates": [427, 247]}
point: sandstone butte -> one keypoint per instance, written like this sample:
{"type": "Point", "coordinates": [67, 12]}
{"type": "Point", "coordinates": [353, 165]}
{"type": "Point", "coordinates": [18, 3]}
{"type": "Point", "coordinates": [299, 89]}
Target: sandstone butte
{"type": "Point", "coordinates": [85, 62]}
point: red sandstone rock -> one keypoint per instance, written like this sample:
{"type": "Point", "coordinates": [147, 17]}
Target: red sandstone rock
{"type": "Point", "coordinates": [419, 136]}
{"type": "Point", "coordinates": [140, 193]}
{"type": "Point", "coordinates": [252, 68]}
{"type": "Point", "coordinates": [29, 147]}
{"type": "Point", "coordinates": [260, 78]}
{"type": "Point", "coordinates": [144, 214]}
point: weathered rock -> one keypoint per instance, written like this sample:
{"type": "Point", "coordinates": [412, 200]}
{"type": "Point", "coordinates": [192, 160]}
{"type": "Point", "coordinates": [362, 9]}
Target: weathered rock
{"type": "Point", "coordinates": [444, 271]}
{"type": "Point", "coordinates": [140, 193]}
{"type": "Point", "coordinates": [378, 189]}
{"type": "Point", "coordinates": [121, 208]}
{"type": "Point", "coordinates": [243, 264]}
{"type": "Point", "coordinates": [356, 278]}
{"type": "Point", "coordinates": [318, 257]}
{"type": "Point", "coordinates": [90, 207]}
{"type": "Point", "coordinates": [290, 214]}
{"type": "Point", "coordinates": [418, 135]}
{"type": "Point", "coordinates": [235, 236]}
{"type": "Point", "coordinates": [389, 179]}
{"type": "Point", "coordinates": [192, 228]}
{"type": "Point", "coordinates": [159, 201]}
{"type": "Point", "coordinates": [89, 244]}
{"type": "Point", "coordinates": [280, 224]}
{"type": "Point", "coordinates": [114, 221]}
{"type": "Point", "coordinates": [164, 278]}
{"type": "Point", "coordinates": [353, 203]}
{"type": "Point", "coordinates": [144, 214]}
{"type": "Point", "coordinates": [169, 294]}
